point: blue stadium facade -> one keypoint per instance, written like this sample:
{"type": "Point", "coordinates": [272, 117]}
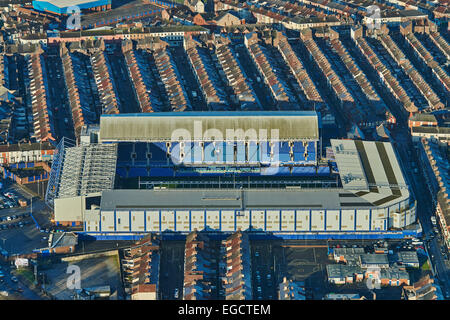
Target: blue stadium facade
{"type": "Point", "coordinates": [61, 6]}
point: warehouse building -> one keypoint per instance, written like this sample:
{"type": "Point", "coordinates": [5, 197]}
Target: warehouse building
{"type": "Point", "coordinates": [62, 6]}
{"type": "Point", "coordinates": [348, 256]}
{"type": "Point", "coordinates": [408, 258]}
{"type": "Point", "coordinates": [369, 197]}
{"type": "Point", "coordinates": [368, 260]}
{"type": "Point", "coordinates": [344, 274]}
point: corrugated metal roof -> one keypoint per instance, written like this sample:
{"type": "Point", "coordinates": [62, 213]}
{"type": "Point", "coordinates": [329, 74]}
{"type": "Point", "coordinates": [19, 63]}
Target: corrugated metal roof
{"type": "Point", "coordinates": [222, 199]}
{"type": "Point", "coordinates": [293, 125]}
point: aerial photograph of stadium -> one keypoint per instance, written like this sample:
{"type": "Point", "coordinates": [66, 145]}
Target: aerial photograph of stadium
{"type": "Point", "coordinates": [224, 150]}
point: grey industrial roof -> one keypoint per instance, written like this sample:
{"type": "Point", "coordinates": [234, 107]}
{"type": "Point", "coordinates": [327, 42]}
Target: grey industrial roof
{"type": "Point", "coordinates": [342, 271]}
{"type": "Point", "coordinates": [408, 256]}
{"type": "Point", "coordinates": [64, 239]}
{"type": "Point", "coordinates": [161, 126]}
{"type": "Point", "coordinates": [431, 130]}
{"type": "Point", "coordinates": [223, 199]}
{"type": "Point", "coordinates": [423, 117]}
{"type": "Point", "coordinates": [371, 170]}
{"type": "Point", "coordinates": [346, 251]}
{"type": "Point", "coordinates": [374, 259]}
{"type": "Point", "coordinates": [364, 163]}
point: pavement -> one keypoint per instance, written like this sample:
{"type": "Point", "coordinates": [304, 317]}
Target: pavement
{"type": "Point", "coordinates": [57, 98]}
{"type": "Point", "coordinates": [122, 83]}
{"type": "Point", "coordinates": [171, 269]}
{"type": "Point", "coordinates": [187, 79]}
{"type": "Point", "coordinates": [265, 269]}
{"type": "Point", "coordinates": [425, 208]}
{"type": "Point", "coordinates": [251, 72]}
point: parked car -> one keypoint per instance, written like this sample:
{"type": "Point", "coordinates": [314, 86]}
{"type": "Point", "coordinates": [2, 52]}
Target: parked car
{"type": "Point", "coordinates": [14, 279]}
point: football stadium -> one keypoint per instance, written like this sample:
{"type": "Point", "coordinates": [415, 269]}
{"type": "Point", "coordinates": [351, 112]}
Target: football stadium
{"type": "Point", "coordinates": [263, 172]}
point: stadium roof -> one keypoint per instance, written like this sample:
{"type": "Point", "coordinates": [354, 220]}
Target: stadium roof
{"type": "Point", "coordinates": [201, 126]}
{"type": "Point", "coordinates": [370, 169]}
{"type": "Point", "coordinates": [231, 199]}
{"type": "Point", "coordinates": [87, 169]}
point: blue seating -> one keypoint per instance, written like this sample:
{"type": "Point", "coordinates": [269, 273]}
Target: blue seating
{"type": "Point", "coordinates": [122, 172]}
{"type": "Point", "coordinates": [304, 171]}
{"type": "Point", "coordinates": [229, 152]}
{"type": "Point", "coordinates": [283, 151]}
{"type": "Point", "coordinates": [158, 155]}
{"type": "Point", "coordinates": [264, 149]}
{"type": "Point", "coordinates": [175, 153]}
{"type": "Point", "coordinates": [188, 152]}
{"type": "Point", "coordinates": [240, 154]}
{"type": "Point", "coordinates": [161, 172]}
{"type": "Point", "coordinates": [275, 171]}
{"type": "Point", "coordinates": [196, 153]}
{"type": "Point", "coordinates": [323, 171]}
{"type": "Point", "coordinates": [220, 151]}
{"type": "Point", "coordinates": [160, 145]}
{"type": "Point", "coordinates": [253, 152]}
{"type": "Point", "coordinates": [140, 149]}
{"type": "Point", "coordinates": [210, 152]}
{"type": "Point", "coordinates": [141, 155]}
{"type": "Point", "coordinates": [137, 172]}
{"type": "Point", "coordinates": [124, 151]}
{"type": "Point", "coordinates": [299, 152]}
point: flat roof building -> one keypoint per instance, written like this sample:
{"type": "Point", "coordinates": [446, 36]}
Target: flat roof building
{"type": "Point", "coordinates": [408, 258]}
{"type": "Point", "coordinates": [61, 6]}
{"type": "Point", "coordinates": [342, 274]}
{"type": "Point", "coordinates": [374, 260]}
